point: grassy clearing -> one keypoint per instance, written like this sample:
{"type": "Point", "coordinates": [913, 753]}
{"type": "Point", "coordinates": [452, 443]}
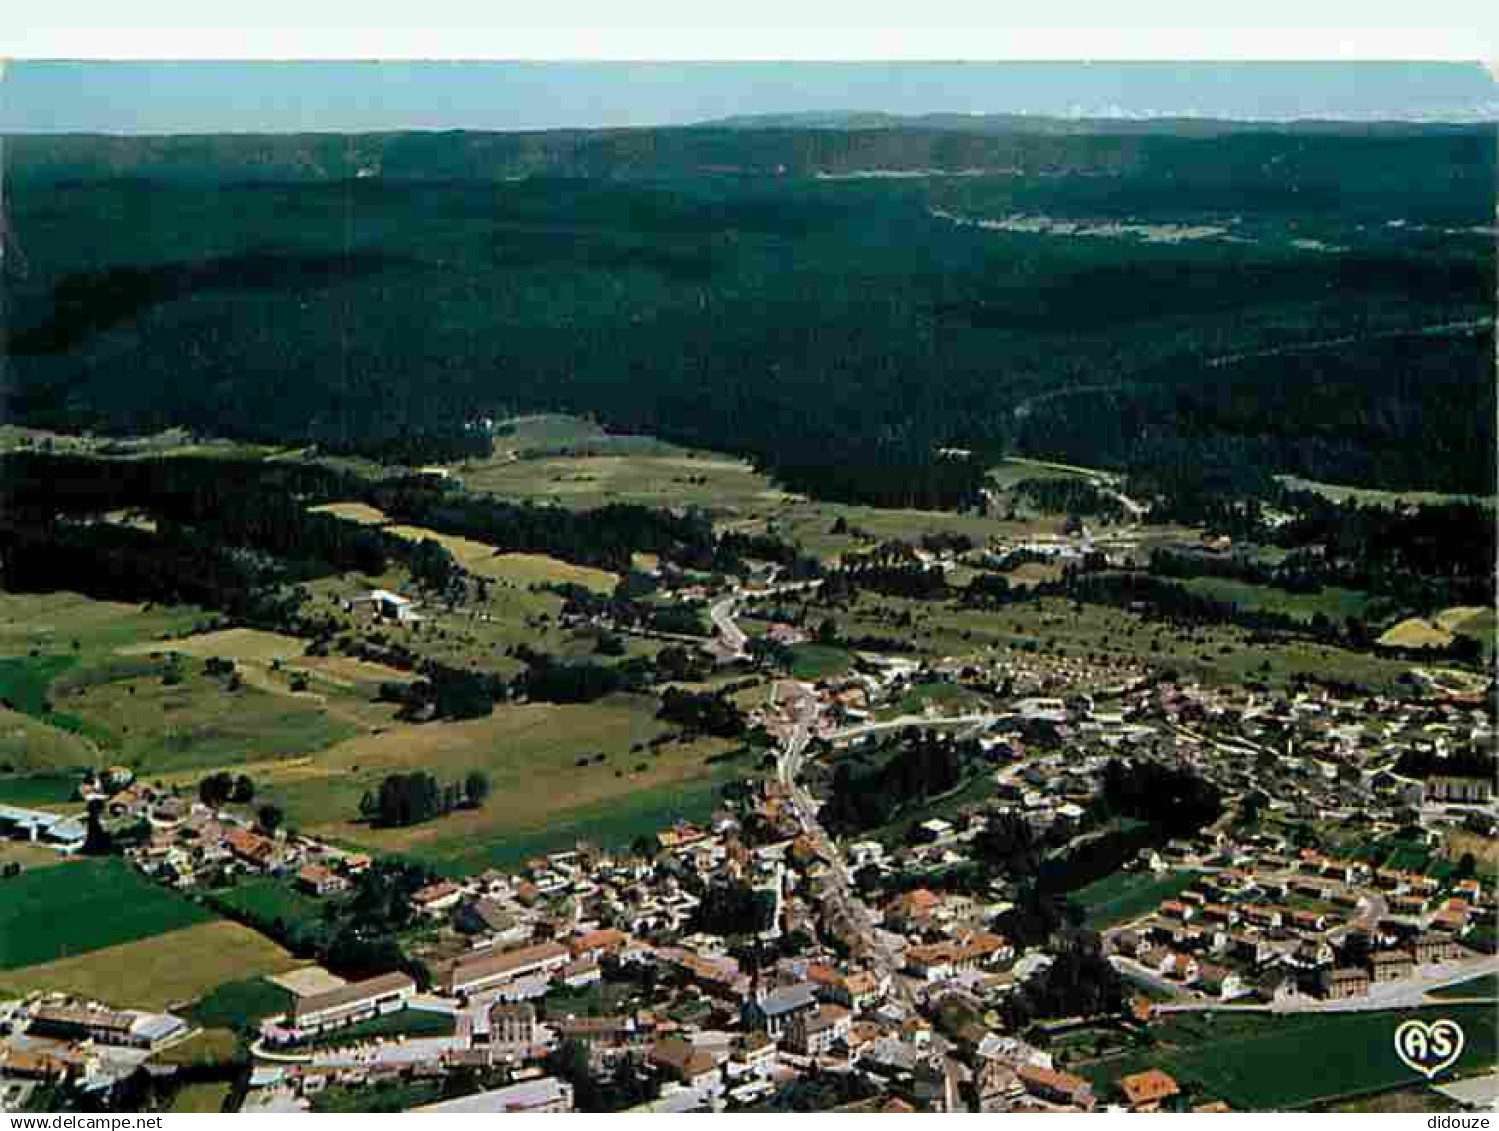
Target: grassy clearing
{"type": "Point", "coordinates": [1127, 895]}
{"type": "Point", "coordinates": [51, 622]}
{"type": "Point", "coordinates": [39, 919]}
{"type": "Point", "coordinates": [32, 856]}
{"type": "Point", "coordinates": [1333, 602]}
{"type": "Point", "coordinates": [40, 790]}
{"type": "Point", "coordinates": [1466, 618]}
{"type": "Point", "coordinates": [718, 483]}
{"type": "Point", "coordinates": [1458, 844]}
{"type": "Point", "coordinates": [354, 512]}
{"type": "Point", "coordinates": [24, 684]}
{"type": "Point", "coordinates": [168, 970]}
{"type": "Point", "coordinates": [341, 687]}
{"type": "Point", "coordinates": [1485, 985]}
{"type": "Point", "coordinates": [156, 726]}
{"type": "Point", "coordinates": [243, 645]}
{"type": "Point", "coordinates": [1015, 469]}
{"type": "Point", "coordinates": [28, 745]}
{"type": "Point", "coordinates": [386, 1096]}
{"type": "Point", "coordinates": [1261, 1063]}
{"type": "Point", "coordinates": [237, 1004]}
{"type": "Point", "coordinates": [1416, 632]}
{"type": "Point", "coordinates": [406, 1023]}
{"type": "Point", "coordinates": [530, 753]}
{"type": "Point", "coordinates": [201, 1099]}
{"type": "Point", "coordinates": [947, 698]}
{"type": "Point", "coordinates": [612, 825]}
{"type": "Point", "coordinates": [266, 900]}
{"type": "Point", "coordinates": [483, 560]}
{"type": "Point", "coordinates": [95, 674]}
{"type": "Point", "coordinates": [818, 661]}
{"type": "Point", "coordinates": [1366, 496]}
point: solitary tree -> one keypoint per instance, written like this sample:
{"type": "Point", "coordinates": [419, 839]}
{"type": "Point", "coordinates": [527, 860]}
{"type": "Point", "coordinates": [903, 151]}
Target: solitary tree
{"type": "Point", "coordinates": [476, 788]}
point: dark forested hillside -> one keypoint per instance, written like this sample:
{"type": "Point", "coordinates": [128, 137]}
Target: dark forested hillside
{"type": "Point", "coordinates": [385, 293]}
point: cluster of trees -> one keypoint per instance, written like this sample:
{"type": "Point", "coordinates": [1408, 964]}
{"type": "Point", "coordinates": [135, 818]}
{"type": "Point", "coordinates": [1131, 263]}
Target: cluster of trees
{"type": "Point", "coordinates": [445, 692]}
{"type": "Point", "coordinates": [1175, 800]}
{"type": "Point", "coordinates": [617, 1088]}
{"type": "Point", "coordinates": [624, 610]}
{"type": "Point", "coordinates": [355, 935]}
{"type": "Point", "coordinates": [1430, 555]}
{"type": "Point", "coordinates": [232, 535]}
{"type": "Point", "coordinates": [549, 680]}
{"type": "Point", "coordinates": [872, 789]}
{"type": "Point", "coordinates": [1170, 601]}
{"type": "Point", "coordinates": [732, 907]}
{"type": "Point", "coordinates": [1465, 761]}
{"type": "Point", "coordinates": [410, 799]}
{"type": "Point", "coordinates": [1424, 556]}
{"type": "Point", "coordinates": [1072, 496]}
{"type": "Point", "coordinates": [702, 712]}
{"type": "Point", "coordinates": [223, 787]}
{"type": "Point", "coordinates": [605, 537]}
{"type": "Point", "coordinates": [891, 569]}
{"type": "Point", "coordinates": [1081, 982]}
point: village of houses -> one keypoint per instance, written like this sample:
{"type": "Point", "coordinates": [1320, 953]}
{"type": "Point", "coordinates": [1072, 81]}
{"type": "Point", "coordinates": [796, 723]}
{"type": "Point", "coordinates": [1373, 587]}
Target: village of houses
{"type": "Point", "coordinates": [1258, 921]}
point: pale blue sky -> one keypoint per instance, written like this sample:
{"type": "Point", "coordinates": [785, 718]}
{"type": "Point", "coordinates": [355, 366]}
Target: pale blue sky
{"type": "Point", "coordinates": [766, 29]}
{"type": "Point", "coordinates": [201, 97]}
{"type": "Point", "coordinates": [212, 97]}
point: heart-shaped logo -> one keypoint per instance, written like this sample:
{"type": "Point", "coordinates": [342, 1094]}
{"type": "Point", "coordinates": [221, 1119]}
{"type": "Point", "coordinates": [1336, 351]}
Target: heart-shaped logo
{"type": "Point", "coordinates": [1429, 1048]}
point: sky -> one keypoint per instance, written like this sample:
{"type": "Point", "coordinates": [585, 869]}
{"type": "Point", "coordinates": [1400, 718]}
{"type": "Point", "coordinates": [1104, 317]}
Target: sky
{"type": "Point", "coordinates": [638, 89]}
{"type": "Point", "coordinates": [275, 97]}
{"type": "Point", "coordinates": [766, 29]}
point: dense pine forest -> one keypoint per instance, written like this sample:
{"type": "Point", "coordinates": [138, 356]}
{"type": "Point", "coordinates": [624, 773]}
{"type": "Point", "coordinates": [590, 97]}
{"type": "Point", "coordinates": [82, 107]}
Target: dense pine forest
{"type": "Point", "coordinates": [737, 289]}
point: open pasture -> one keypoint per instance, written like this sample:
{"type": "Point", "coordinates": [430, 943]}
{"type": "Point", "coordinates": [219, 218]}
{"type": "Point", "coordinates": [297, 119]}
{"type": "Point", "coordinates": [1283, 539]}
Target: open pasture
{"type": "Point", "coordinates": [56, 913]}
{"type": "Point", "coordinates": [166, 971]}
{"type": "Point", "coordinates": [531, 754]}
{"type": "Point", "coordinates": [1261, 1063]}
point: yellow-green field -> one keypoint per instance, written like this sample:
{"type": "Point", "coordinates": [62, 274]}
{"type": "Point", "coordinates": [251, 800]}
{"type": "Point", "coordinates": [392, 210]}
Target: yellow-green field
{"type": "Point", "coordinates": [343, 687]}
{"type": "Point", "coordinates": [53, 621]}
{"type": "Point", "coordinates": [712, 481]}
{"type": "Point", "coordinates": [155, 726]}
{"type": "Point", "coordinates": [1416, 632]}
{"type": "Point", "coordinates": [480, 558]}
{"type": "Point", "coordinates": [1465, 618]}
{"type": "Point", "coordinates": [530, 753]}
{"type": "Point", "coordinates": [160, 972]}
{"type": "Point", "coordinates": [28, 745]}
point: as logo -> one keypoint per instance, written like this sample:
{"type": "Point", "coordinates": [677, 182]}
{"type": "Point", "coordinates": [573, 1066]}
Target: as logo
{"type": "Point", "coordinates": [1429, 1048]}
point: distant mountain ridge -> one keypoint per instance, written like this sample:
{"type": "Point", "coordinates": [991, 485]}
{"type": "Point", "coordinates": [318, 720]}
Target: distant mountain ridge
{"type": "Point", "coordinates": [1015, 145]}
{"type": "Point", "coordinates": [388, 95]}
{"type": "Point", "coordinates": [1172, 125]}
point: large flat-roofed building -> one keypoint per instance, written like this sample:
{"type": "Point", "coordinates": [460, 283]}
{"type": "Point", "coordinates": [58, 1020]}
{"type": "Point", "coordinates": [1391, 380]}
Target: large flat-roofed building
{"type": "Point", "coordinates": [356, 1001]}
{"type": "Point", "coordinates": [477, 972]}
{"type": "Point", "coordinates": [106, 1026]}
{"type": "Point", "coordinates": [533, 1097]}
